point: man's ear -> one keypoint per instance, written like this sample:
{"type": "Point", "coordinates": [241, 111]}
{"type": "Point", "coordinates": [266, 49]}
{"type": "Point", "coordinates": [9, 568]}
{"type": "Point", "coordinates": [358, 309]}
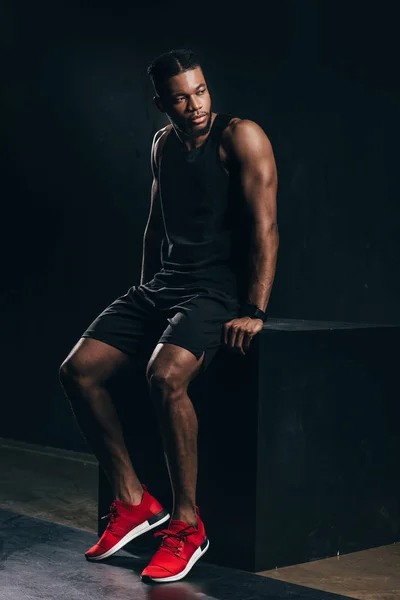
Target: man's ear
{"type": "Point", "coordinates": [158, 103]}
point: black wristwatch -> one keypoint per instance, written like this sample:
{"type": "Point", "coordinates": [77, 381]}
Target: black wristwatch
{"type": "Point", "coordinates": [252, 310]}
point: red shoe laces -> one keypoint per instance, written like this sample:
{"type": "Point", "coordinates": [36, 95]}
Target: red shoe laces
{"type": "Point", "coordinates": [173, 540]}
{"type": "Point", "coordinates": [112, 515]}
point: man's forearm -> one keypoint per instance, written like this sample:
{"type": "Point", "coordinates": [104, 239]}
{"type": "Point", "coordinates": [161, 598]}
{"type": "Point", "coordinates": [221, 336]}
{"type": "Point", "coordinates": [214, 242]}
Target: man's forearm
{"type": "Point", "coordinates": [151, 258]}
{"type": "Point", "coordinates": [263, 258]}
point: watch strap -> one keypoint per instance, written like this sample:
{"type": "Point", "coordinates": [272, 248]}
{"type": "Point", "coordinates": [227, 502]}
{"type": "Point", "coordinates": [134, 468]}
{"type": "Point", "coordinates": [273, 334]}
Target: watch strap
{"type": "Point", "coordinates": [252, 310]}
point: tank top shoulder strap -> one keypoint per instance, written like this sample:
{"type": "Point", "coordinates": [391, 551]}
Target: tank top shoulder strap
{"type": "Point", "coordinates": [220, 122]}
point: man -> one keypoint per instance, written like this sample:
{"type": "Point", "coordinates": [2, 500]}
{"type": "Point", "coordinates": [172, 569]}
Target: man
{"type": "Point", "coordinates": [214, 180]}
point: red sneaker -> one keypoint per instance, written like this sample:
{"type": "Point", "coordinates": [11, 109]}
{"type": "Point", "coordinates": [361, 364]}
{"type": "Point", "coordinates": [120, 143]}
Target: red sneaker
{"type": "Point", "coordinates": [127, 521]}
{"type": "Point", "coordinates": [181, 547]}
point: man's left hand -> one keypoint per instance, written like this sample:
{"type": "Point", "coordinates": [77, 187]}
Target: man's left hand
{"type": "Point", "coordinates": [238, 333]}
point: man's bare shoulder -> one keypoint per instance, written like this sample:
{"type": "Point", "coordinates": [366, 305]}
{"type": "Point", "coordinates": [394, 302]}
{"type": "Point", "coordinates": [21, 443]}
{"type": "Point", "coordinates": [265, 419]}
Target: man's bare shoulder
{"type": "Point", "coordinates": [241, 134]}
{"type": "Point", "coordinates": [237, 126]}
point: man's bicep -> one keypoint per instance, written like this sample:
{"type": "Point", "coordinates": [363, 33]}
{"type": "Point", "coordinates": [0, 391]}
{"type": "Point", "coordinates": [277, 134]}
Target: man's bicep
{"type": "Point", "coordinates": [257, 170]}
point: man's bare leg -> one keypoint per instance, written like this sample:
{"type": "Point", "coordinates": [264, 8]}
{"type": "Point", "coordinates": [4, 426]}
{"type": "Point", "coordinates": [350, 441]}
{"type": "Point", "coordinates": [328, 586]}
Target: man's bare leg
{"type": "Point", "coordinates": [84, 375]}
{"type": "Point", "coordinates": [169, 372]}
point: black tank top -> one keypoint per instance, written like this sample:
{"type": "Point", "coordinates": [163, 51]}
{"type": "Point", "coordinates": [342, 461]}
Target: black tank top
{"type": "Point", "coordinates": [203, 215]}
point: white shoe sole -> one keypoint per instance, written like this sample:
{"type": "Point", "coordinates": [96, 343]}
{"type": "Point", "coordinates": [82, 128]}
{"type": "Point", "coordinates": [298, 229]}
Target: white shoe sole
{"type": "Point", "coordinates": [195, 557]}
{"type": "Point", "coordinates": [134, 533]}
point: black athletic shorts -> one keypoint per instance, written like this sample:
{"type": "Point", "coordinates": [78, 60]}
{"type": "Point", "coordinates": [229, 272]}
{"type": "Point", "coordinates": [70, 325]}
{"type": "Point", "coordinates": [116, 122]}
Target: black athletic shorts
{"type": "Point", "coordinates": [143, 317]}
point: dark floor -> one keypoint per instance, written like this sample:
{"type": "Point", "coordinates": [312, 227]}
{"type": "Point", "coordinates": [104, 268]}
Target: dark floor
{"type": "Point", "coordinates": [43, 560]}
{"type": "Point", "coordinates": [48, 518]}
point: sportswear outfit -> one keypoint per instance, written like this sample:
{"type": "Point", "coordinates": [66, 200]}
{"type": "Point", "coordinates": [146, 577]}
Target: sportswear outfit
{"type": "Point", "coordinates": [203, 257]}
{"type": "Point", "coordinates": [199, 288]}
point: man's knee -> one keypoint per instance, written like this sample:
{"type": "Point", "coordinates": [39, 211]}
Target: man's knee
{"type": "Point", "coordinates": [165, 380]}
{"type": "Point", "coordinates": [78, 370]}
{"type": "Point", "coordinates": [71, 372]}
{"type": "Point", "coordinates": [92, 362]}
{"type": "Point", "coordinates": [171, 369]}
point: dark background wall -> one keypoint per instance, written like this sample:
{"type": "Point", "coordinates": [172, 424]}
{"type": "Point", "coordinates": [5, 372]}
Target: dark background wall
{"type": "Point", "coordinates": [321, 78]}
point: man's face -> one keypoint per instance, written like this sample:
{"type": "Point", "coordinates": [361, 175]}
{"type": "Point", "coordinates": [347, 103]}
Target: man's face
{"type": "Point", "coordinates": [186, 97]}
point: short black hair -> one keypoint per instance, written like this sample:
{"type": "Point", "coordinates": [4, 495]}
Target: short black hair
{"type": "Point", "coordinates": [170, 63]}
